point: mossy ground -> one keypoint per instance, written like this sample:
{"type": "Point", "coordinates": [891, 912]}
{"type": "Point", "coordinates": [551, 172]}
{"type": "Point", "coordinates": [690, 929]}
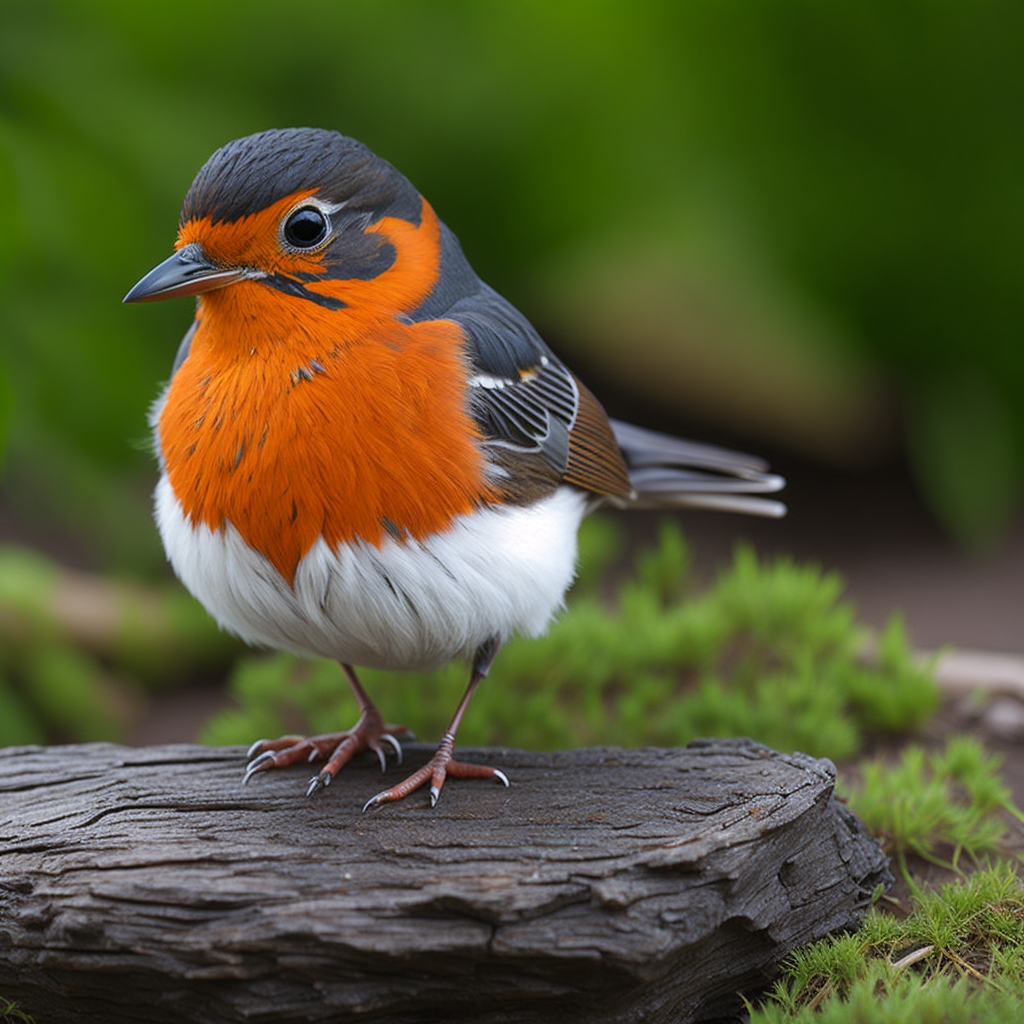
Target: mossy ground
{"type": "Point", "coordinates": [958, 956]}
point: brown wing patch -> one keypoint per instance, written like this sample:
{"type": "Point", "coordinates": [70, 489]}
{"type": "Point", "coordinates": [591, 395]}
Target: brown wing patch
{"type": "Point", "coordinates": [595, 459]}
{"type": "Point", "coordinates": [521, 478]}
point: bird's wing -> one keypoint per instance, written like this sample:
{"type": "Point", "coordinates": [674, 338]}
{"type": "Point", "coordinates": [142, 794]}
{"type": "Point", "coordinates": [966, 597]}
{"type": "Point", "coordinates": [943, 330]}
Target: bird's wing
{"type": "Point", "coordinates": [541, 427]}
{"type": "Point", "coordinates": [537, 420]}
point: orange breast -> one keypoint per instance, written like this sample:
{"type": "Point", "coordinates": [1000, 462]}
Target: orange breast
{"type": "Point", "coordinates": [292, 421]}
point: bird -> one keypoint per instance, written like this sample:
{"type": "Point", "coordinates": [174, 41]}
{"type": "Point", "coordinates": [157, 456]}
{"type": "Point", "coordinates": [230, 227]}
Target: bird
{"type": "Point", "coordinates": [365, 452]}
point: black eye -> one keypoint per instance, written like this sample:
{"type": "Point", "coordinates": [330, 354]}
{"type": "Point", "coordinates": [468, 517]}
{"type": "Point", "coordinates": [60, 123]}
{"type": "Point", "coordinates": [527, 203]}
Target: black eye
{"type": "Point", "coordinates": [306, 228]}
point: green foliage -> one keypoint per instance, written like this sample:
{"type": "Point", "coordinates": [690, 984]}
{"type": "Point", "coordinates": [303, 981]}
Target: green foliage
{"type": "Point", "coordinates": [5, 413]}
{"type": "Point", "coordinates": [769, 651]}
{"type": "Point", "coordinates": [880, 997]}
{"type": "Point", "coordinates": [48, 687]}
{"type": "Point", "coordinates": [958, 957]}
{"type": "Point", "coordinates": [10, 1013]}
{"type": "Point", "coordinates": [883, 707]}
{"type": "Point", "coordinates": [928, 801]}
{"type": "Point", "coordinates": [77, 652]}
{"type": "Point", "coordinates": [853, 159]}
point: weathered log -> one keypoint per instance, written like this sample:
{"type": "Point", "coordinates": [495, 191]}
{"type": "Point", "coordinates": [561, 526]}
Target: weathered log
{"type": "Point", "coordinates": [605, 885]}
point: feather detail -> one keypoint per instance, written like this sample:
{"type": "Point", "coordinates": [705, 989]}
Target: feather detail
{"type": "Point", "coordinates": [595, 458]}
{"type": "Point", "coordinates": [405, 604]}
{"type": "Point", "coordinates": [667, 472]}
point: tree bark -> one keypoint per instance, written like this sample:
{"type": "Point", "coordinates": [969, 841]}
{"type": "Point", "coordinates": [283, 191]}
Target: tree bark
{"type": "Point", "coordinates": [605, 885]}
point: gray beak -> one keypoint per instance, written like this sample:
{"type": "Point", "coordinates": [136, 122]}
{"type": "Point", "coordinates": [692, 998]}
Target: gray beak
{"type": "Point", "coordinates": [187, 272]}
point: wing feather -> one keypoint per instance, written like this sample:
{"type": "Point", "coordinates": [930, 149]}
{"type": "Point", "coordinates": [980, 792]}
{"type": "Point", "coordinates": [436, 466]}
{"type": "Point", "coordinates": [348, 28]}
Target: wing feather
{"type": "Point", "coordinates": [535, 417]}
{"type": "Point", "coordinates": [540, 427]}
{"type": "Point", "coordinates": [668, 472]}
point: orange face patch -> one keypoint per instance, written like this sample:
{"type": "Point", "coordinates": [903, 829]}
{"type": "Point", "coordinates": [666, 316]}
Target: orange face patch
{"type": "Point", "coordinates": [293, 421]}
{"type": "Point", "coordinates": [251, 241]}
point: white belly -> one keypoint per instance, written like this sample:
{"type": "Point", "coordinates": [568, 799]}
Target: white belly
{"type": "Point", "coordinates": [405, 605]}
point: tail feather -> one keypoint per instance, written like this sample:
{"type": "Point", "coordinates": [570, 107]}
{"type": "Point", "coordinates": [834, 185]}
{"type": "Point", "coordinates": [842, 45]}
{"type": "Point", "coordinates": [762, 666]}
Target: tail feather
{"type": "Point", "coordinates": [668, 472]}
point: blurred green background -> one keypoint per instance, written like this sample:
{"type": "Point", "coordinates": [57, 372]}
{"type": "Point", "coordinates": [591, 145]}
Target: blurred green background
{"type": "Point", "coordinates": [798, 223]}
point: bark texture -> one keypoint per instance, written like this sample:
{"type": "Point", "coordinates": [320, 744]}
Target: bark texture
{"type": "Point", "coordinates": [605, 885]}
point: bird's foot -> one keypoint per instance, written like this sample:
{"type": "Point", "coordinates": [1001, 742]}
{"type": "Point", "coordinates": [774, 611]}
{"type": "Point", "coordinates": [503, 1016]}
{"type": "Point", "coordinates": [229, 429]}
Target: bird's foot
{"type": "Point", "coordinates": [435, 771]}
{"type": "Point", "coordinates": [369, 733]}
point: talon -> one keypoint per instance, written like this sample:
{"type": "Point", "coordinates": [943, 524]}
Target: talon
{"type": "Point", "coordinates": [443, 763]}
{"type": "Point", "coordinates": [395, 745]}
{"type": "Point", "coordinates": [336, 748]}
{"type": "Point", "coordinates": [254, 749]}
{"type": "Point", "coordinates": [318, 782]}
{"type": "Point", "coordinates": [259, 765]}
{"type": "Point", "coordinates": [441, 766]}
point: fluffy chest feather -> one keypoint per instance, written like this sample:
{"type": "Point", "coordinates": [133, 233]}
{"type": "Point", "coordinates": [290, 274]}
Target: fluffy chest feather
{"type": "Point", "coordinates": [295, 429]}
{"type": "Point", "coordinates": [406, 604]}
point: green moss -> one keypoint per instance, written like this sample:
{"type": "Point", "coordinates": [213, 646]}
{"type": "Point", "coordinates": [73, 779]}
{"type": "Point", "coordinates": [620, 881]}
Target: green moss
{"type": "Point", "coordinates": [930, 801]}
{"type": "Point", "coordinates": [958, 957]}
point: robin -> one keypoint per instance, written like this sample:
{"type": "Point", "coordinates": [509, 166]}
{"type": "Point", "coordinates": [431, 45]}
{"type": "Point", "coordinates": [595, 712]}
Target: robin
{"type": "Point", "coordinates": [368, 454]}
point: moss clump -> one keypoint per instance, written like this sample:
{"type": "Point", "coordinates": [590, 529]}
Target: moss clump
{"type": "Point", "coordinates": [928, 802]}
{"type": "Point", "coordinates": [958, 957]}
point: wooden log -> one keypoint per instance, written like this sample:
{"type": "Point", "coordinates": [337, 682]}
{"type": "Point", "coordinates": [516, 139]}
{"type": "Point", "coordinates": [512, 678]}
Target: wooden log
{"type": "Point", "coordinates": [605, 885]}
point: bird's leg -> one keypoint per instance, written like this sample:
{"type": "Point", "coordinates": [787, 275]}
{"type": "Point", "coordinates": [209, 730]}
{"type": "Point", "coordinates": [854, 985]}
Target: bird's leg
{"type": "Point", "coordinates": [443, 764]}
{"type": "Point", "coordinates": [368, 733]}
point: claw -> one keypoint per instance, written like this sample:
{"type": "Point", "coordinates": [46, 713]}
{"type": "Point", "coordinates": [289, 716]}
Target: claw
{"type": "Point", "coordinates": [260, 764]}
{"type": "Point", "coordinates": [395, 745]}
{"type": "Point", "coordinates": [254, 749]}
{"type": "Point", "coordinates": [369, 733]}
{"type": "Point", "coordinates": [318, 782]}
{"type": "Point", "coordinates": [435, 771]}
